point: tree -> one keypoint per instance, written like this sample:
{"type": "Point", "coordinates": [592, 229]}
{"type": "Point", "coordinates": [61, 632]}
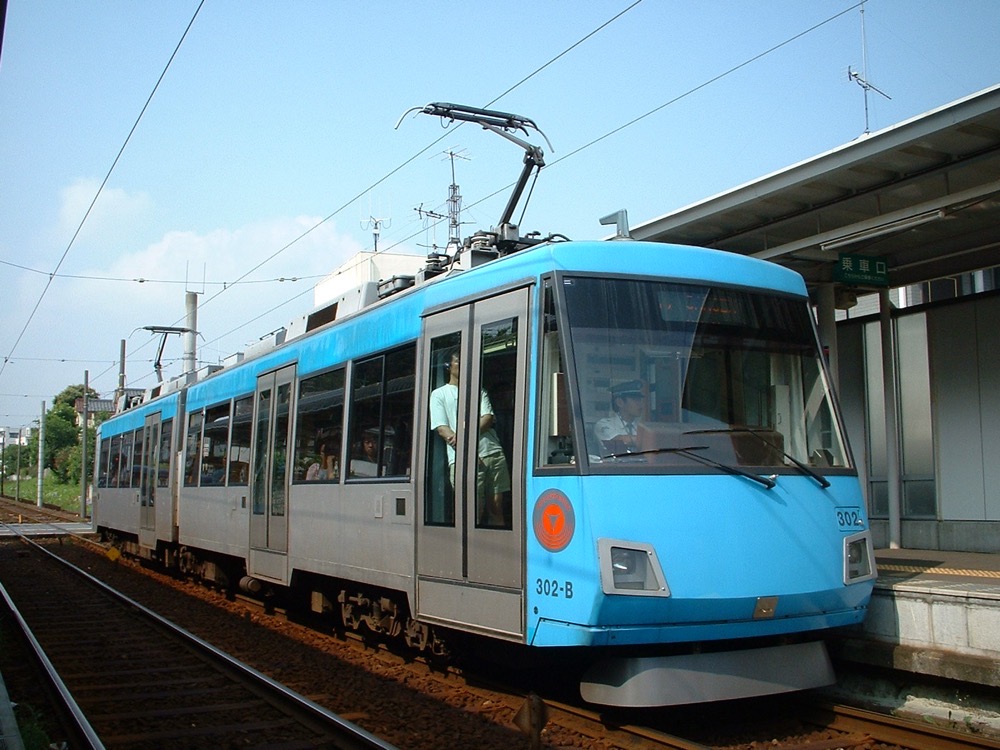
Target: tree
{"type": "Point", "coordinates": [71, 393]}
{"type": "Point", "coordinates": [62, 438]}
{"type": "Point", "coordinates": [61, 433]}
{"type": "Point", "coordinates": [9, 461]}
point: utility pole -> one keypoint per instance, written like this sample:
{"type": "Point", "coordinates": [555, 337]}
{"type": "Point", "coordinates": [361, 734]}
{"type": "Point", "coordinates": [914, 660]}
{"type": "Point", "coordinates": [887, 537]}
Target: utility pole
{"type": "Point", "coordinates": [120, 391]}
{"type": "Point", "coordinates": [41, 453]}
{"type": "Point", "coordinates": [83, 448]}
{"type": "Point", "coordinates": [17, 476]}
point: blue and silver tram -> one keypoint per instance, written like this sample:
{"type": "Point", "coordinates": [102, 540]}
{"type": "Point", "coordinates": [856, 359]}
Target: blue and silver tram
{"type": "Point", "coordinates": [673, 501]}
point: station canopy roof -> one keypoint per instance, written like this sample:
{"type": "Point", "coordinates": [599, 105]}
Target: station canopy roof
{"type": "Point", "coordinates": [921, 198]}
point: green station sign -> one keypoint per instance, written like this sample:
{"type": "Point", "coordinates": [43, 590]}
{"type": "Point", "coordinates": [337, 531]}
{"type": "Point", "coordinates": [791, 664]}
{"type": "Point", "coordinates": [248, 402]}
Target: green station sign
{"type": "Point", "coordinates": [866, 270]}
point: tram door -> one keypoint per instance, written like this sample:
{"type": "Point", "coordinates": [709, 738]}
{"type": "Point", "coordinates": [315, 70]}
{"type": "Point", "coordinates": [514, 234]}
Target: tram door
{"type": "Point", "coordinates": [148, 480]}
{"type": "Point", "coordinates": [270, 476]}
{"type": "Point", "coordinates": [471, 496]}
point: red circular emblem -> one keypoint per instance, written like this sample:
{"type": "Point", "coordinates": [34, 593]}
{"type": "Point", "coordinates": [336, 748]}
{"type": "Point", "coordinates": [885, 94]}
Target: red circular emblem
{"type": "Point", "coordinates": [553, 520]}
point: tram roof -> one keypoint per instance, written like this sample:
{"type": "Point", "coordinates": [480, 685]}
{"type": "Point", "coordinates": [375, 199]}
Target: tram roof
{"type": "Point", "coordinates": [923, 195]}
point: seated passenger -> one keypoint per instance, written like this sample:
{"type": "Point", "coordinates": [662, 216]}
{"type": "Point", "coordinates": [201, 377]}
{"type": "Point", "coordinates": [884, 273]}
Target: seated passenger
{"type": "Point", "coordinates": [364, 458]}
{"type": "Point", "coordinates": [326, 466]}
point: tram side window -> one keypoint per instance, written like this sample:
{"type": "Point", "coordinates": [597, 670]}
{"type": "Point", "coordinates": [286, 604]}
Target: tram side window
{"type": "Point", "coordinates": [495, 422]}
{"type": "Point", "coordinates": [555, 442]}
{"type": "Point", "coordinates": [115, 461]}
{"type": "Point", "coordinates": [137, 458]}
{"type": "Point", "coordinates": [319, 428]}
{"type": "Point", "coordinates": [381, 414]}
{"type": "Point", "coordinates": [239, 442]}
{"type": "Point", "coordinates": [102, 464]}
{"type": "Point", "coordinates": [215, 446]}
{"type": "Point", "coordinates": [163, 454]}
{"type": "Point", "coordinates": [125, 464]}
{"type": "Point", "coordinates": [192, 449]}
{"type": "Point", "coordinates": [439, 476]}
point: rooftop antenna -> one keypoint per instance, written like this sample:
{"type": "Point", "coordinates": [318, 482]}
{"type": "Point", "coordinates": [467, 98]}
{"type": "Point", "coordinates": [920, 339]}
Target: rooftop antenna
{"type": "Point", "coordinates": [435, 217]}
{"type": "Point", "coordinates": [454, 203]}
{"type": "Point", "coordinates": [375, 225]}
{"type": "Point", "coordinates": [862, 77]}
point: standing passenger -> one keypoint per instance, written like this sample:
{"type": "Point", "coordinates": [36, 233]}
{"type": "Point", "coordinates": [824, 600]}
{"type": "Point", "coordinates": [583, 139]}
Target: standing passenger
{"type": "Point", "coordinates": [492, 475]}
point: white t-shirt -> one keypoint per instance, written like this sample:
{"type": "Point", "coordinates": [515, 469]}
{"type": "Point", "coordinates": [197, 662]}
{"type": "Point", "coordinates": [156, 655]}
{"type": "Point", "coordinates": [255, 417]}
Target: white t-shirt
{"type": "Point", "coordinates": [444, 411]}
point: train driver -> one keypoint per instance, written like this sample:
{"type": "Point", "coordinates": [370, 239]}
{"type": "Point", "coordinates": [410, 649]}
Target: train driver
{"type": "Point", "coordinates": [618, 433]}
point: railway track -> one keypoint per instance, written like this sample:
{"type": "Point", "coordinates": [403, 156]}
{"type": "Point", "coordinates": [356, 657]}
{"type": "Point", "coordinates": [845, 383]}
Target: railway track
{"type": "Point", "coordinates": [787, 724]}
{"type": "Point", "coordinates": [879, 727]}
{"type": "Point", "coordinates": [14, 511]}
{"type": "Point", "coordinates": [138, 681]}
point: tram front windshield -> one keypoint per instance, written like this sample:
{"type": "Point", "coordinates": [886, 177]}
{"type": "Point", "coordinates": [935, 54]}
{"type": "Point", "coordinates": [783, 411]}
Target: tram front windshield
{"type": "Point", "coordinates": [681, 376]}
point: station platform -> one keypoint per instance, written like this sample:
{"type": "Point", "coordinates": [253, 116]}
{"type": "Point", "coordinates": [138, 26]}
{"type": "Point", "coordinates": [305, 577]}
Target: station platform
{"type": "Point", "coordinates": [932, 613]}
{"type": "Point", "coordinates": [45, 529]}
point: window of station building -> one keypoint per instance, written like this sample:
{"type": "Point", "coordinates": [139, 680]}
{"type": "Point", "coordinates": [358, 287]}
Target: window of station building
{"type": "Point", "coordinates": [382, 392]}
{"type": "Point", "coordinates": [215, 446]}
{"type": "Point", "coordinates": [239, 442]}
{"type": "Point", "coordinates": [163, 454]}
{"type": "Point", "coordinates": [319, 428]}
{"type": "Point", "coordinates": [192, 449]}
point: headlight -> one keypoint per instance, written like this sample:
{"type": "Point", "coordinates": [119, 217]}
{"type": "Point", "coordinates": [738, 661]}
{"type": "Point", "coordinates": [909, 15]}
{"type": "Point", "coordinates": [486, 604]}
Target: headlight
{"type": "Point", "coordinates": [630, 568]}
{"type": "Point", "coordinates": [859, 558]}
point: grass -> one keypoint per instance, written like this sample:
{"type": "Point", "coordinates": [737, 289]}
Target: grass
{"type": "Point", "coordinates": [54, 493]}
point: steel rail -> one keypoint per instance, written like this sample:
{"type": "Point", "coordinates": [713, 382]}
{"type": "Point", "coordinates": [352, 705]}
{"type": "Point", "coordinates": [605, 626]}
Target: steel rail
{"type": "Point", "coordinates": [81, 726]}
{"type": "Point", "coordinates": [895, 730]}
{"type": "Point", "coordinates": [356, 737]}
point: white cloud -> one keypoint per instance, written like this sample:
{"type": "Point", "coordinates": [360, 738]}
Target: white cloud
{"type": "Point", "coordinates": [112, 218]}
{"type": "Point", "coordinates": [85, 318]}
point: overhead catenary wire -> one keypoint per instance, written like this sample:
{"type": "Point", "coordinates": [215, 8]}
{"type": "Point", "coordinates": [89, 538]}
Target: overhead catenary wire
{"type": "Point", "coordinates": [583, 147]}
{"type": "Point", "coordinates": [142, 280]}
{"type": "Point", "coordinates": [100, 189]}
{"type": "Point", "coordinates": [375, 184]}
{"type": "Point", "coordinates": [658, 108]}
{"type": "Point", "coordinates": [243, 278]}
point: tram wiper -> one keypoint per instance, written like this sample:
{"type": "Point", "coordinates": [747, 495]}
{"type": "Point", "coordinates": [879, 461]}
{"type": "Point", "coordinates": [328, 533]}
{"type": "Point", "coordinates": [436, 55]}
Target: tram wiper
{"type": "Point", "coordinates": [823, 481]}
{"type": "Point", "coordinates": [689, 451]}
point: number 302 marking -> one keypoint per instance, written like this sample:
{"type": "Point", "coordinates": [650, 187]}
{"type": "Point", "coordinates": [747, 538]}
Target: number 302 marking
{"type": "Point", "coordinates": [848, 518]}
{"type": "Point", "coordinates": [552, 587]}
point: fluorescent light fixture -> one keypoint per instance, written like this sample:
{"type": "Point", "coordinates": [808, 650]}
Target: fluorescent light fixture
{"type": "Point", "coordinates": [879, 230]}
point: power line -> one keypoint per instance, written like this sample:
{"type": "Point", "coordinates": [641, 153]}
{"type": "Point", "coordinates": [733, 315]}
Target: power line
{"type": "Point", "coordinates": [142, 280]}
{"type": "Point", "coordinates": [404, 164]}
{"type": "Point", "coordinates": [572, 153]}
{"type": "Point", "coordinates": [656, 109]}
{"type": "Point", "coordinates": [709, 82]}
{"type": "Point", "coordinates": [100, 189]}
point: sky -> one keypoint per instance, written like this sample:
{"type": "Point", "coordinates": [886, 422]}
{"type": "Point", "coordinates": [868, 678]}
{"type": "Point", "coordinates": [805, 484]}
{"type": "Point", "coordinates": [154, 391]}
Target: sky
{"type": "Point", "coordinates": [242, 150]}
